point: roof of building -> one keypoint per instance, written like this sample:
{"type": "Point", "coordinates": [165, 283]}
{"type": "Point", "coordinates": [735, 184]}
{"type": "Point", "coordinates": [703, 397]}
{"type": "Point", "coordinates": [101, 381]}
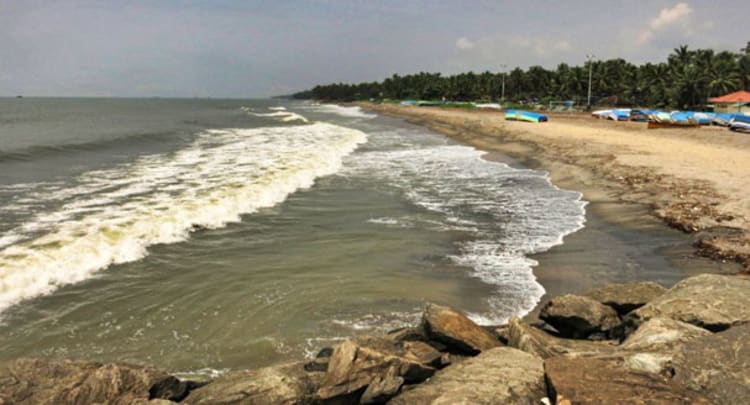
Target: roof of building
{"type": "Point", "coordinates": [736, 97]}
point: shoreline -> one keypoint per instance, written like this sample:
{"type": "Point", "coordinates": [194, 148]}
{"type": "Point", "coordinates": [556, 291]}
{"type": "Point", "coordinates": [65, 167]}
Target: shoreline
{"type": "Point", "coordinates": [624, 338]}
{"type": "Point", "coordinates": [605, 174]}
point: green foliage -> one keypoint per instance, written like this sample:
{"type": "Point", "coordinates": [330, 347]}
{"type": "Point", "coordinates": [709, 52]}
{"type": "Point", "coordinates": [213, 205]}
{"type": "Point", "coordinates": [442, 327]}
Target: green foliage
{"type": "Point", "coordinates": [686, 80]}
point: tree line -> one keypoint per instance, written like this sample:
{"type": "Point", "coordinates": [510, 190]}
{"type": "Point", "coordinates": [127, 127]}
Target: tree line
{"type": "Point", "coordinates": [685, 80]}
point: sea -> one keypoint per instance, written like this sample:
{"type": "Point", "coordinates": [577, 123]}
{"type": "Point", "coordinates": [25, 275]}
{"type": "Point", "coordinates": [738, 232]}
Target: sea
{"type": "Point", "coordinates": [204, 235]}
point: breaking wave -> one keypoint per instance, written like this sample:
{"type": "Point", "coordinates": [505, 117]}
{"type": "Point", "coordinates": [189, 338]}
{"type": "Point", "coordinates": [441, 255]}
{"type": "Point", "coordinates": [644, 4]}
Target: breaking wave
{"type": "Point", "coordinates": [112, 216]}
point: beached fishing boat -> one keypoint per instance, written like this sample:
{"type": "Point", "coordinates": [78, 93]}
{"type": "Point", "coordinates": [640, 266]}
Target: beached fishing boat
{"type": "Point", "coordinates": [526, 116]}
{"type": "Point", "coordinates": [739, 126]}
{"type": "Point", "coordinates": [672, 124]}
{"type": "Point", "coordinates": [639, 115]}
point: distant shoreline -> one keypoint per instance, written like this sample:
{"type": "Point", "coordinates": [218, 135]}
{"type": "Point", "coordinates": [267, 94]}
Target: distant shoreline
{"type": "Point", "coordinates": [692, 180]}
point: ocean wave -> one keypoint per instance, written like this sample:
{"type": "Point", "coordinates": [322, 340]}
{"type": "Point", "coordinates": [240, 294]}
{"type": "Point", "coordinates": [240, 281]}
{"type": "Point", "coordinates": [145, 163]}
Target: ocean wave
{"type": "Point", "coordinates": [112, 216]}
{"type": "Point", "coordinates": [506, 214]}
{"type": "Point", "coordinates": [42, 151]}
{"type": "Point", "coordinates": [350, 112]}
{"type": "Point", "coordinates": [278, 112]}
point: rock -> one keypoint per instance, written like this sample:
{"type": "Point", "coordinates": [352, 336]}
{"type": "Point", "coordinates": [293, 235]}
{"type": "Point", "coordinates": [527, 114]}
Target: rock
{"type": "Point", "coordinates": [458, 332]}
{"type": "Point", "coordinates": [172, 388]}
{"type": "Point", "coordinates": [408, 334]}
{"type": "Point", "coordinates": [43, 381]}
{"type": "Point", "coordinates": [661, 334]}
{"type": "Point", "coordinates": [710, 301]}
{"type": "Point", "coordinates": [497, 376]}
{"type": "Point", "coordinates": [624, 298]}
{"type": "Point", "coordinates": [356, 364]}
{"type": "Point", "coordinates": [286, 384]}
{"type": "Point", "coordinates": [590, 381]}
{"type": "Point", "coordinates": [541, 344]}
{"type": "Point", "coordinates": [381, 389]}
{"type": "Point", "coordinates": [717, 365]}
{"type": "Point", "coordinates": [325, 352]}
{"type": "Point", "coordinates": [651, 362]}
{"type": "Point", "coordinates": [317, 364]}
{"type": "Point", "coordinates": [501, 333]}
{"type": "Point", "coordinates": [578, 317]}
{"type": "Point", "coordinates": [424, 353]}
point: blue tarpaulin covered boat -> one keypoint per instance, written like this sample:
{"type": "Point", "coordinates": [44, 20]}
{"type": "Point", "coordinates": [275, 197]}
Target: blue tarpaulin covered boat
{"type": "Point", "coordinates": [527, 116]}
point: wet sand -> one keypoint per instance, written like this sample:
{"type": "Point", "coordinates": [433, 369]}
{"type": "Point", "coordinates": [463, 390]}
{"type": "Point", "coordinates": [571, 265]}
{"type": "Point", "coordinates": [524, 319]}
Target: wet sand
{"type": "Point", "coordinates": [644, 222]}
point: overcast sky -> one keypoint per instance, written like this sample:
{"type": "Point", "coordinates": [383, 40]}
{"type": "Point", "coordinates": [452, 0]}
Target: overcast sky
{"type": "Point", "coordinates": [262, 48]}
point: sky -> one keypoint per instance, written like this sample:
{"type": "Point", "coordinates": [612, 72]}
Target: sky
{"type": "Point", "coordinates": [255, 48]}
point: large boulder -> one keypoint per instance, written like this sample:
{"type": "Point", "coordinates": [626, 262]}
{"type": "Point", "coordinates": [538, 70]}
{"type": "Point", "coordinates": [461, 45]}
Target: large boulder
{"type": "Point", "coordinates": [717, 365]}
{"type": "Point", "coordinates": [369, 369]}
{"type": "Point", "coordinates": [711, 301]}
{"type": "Point", "coordinates": [43, 381]}
{"type": "Point", "coordinates": [578, 317]}
{"type": "Point", "coordinates": [624, 298]}
{"type": "Point", "coordinates": [661, 335]}
{"type": "Point", "coordinates": [497, 376]}
{"type": "Point", "coordinates": [287, 384]}
{"type": "Point", "coordinates": [541, 344]}
{"type": "Point", "coordinates": [458, 332]}
{"type": "Point", "coordinates": [591, 381]}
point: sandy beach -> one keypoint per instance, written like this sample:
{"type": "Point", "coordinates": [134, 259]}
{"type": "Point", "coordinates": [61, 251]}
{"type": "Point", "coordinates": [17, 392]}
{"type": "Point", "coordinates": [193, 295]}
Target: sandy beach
{"type": "Point", "coordinates": [695, 180]}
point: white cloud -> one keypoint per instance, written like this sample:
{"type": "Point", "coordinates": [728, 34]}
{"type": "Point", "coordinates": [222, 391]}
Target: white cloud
{"type": "Point", "coordinates": [667, 18]}
{"type": "Point", "coordinates": [464, 44]}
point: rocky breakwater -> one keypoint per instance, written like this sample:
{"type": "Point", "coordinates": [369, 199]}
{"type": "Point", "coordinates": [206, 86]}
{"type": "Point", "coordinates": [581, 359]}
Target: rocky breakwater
{"type": "Point", "coordinates": [622, 344]}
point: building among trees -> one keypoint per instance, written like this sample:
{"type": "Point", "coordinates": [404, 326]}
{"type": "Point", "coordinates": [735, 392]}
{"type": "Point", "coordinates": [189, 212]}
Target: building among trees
{"type": "Point", "coordinates": [739, 101]}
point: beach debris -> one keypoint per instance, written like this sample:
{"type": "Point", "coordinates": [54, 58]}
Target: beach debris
{"type": "Point", "coordinates": [501, 375]}
{"type": "Point", "coordinates": [456, 331]}
{"type": "Point", "coordinates": [590, 381]}
{"type": "Point", "coordinates": [579, 317]}
{"type": "Point", "coordinates": [624, 298]}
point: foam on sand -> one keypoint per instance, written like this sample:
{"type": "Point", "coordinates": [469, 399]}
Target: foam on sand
{"type": "Point", "coordinates": [507, 213]}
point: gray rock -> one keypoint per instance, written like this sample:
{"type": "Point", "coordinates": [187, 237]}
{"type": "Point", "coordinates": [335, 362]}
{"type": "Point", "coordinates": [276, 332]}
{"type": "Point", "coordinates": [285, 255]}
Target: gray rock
{"type": "Point", "coordinates": [661, 335]}
{"type": "Point", "coordinates": [408, 334]}
{"type": "Point", "coordinates": [458, 332]}
{"type": "Point", "coordinates": [624, 298]}
{"type": "Point", "coordinates": [578, 317]}
{"type": "Point", "coordinates": [358, 363]}
{"type": "Point", "coordinates": [591, 381]}
{"type": "Point", "coordinates": [423, 353]}
{"type": "Point", "coordinates": [497, 376]}
{"type": "Point", "coordinates": [286, 384]}
{"type": "Point", "coordinates": [43, 381]}
{"type": "Point", "coordinates": [541, 344]}
{"type": "Point", "coordinates": [172, 388]}
{"type": "Point", "coordinates": [381, 389]}
{"type": "Point", "coordinates": [711, 301]}
{"type": "Point", "coordinates": [717, 365]}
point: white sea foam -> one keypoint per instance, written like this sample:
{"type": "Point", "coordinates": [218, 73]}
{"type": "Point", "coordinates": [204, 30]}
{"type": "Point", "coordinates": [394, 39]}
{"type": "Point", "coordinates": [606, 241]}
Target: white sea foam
{"type": "Point", "coordinates": [286, 116]}
{"type": "Point", "coordinates": [507, 214]}
{"type": "Point", "coordinates": [112, 216]}
{"type": "Point", "coordinates": [350, 112]}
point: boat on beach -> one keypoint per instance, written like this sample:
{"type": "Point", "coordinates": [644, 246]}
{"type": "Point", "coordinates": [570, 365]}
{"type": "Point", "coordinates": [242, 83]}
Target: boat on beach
{"type": "Point", "coordinates": [526, 116]}
{"type": "Point", "coordinates": [672, 124]}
